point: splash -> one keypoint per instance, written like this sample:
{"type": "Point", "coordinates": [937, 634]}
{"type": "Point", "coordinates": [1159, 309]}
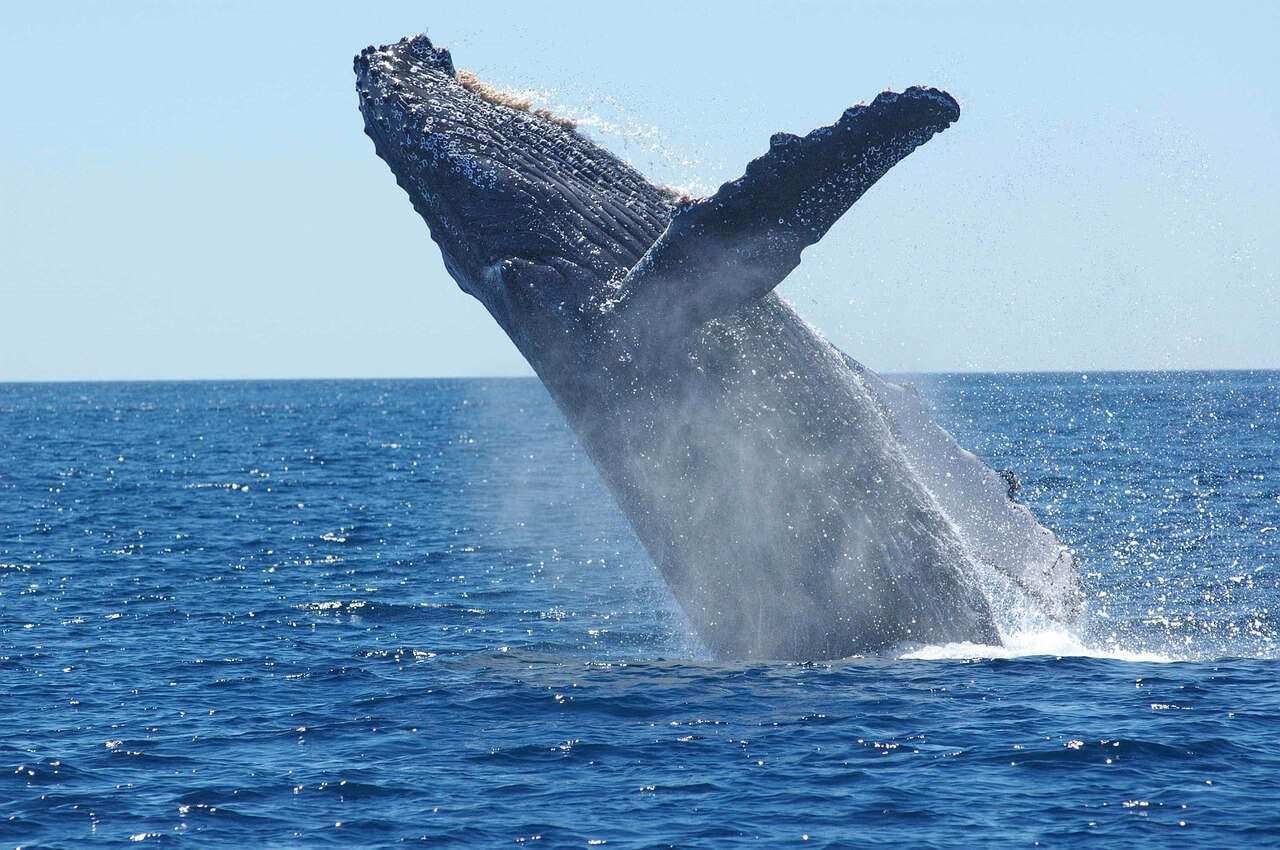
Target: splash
{"type": "Point", "coordinates": [1026, 631]}
{"type": "Point", "coordinates": [519, 101]}
{"type": "Point", "coordinates": [1059, 643]}
{"type": "Point", "coordinates": [640, 144]}
{"type": "Point", "coordinates": [1098, 632]}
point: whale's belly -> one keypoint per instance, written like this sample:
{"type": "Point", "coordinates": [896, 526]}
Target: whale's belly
{"type": "Point", "coordinates": [769, 488]}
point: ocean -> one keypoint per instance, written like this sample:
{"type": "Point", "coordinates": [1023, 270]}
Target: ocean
{"type": "Point", "coordinates": [378, 613]}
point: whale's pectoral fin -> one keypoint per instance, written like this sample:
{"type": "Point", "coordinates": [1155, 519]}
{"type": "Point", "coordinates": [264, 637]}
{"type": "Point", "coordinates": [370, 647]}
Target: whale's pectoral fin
{"type": "Point", "coordinates": [720, 252]}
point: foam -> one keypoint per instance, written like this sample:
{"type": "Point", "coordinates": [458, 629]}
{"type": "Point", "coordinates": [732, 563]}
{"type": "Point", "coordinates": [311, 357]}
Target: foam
{"type": "Point", "coordinates": [1059, 643]}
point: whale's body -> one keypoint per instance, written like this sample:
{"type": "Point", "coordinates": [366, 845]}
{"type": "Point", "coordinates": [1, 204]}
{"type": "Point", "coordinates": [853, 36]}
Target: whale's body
{"type": "Point", "coordinates": [798, 505]}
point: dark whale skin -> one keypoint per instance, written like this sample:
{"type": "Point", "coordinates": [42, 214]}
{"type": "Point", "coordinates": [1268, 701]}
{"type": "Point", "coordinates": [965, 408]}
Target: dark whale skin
{"type": "Point", "coordinates": [797, 505]}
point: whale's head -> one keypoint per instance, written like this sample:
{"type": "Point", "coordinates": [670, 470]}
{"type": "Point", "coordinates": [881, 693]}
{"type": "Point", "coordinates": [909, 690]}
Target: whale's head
{"type": "Point", "coordinates": [522, 206]}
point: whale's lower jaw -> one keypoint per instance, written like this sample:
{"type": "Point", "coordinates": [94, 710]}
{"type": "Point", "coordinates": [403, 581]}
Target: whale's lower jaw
{"type": "Point", "coordinates": [796, 505]}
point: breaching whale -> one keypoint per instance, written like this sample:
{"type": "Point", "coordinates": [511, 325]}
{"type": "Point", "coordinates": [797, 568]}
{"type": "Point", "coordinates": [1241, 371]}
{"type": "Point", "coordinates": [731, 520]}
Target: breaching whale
{"type": "Point", "coordinates": [798, 505]}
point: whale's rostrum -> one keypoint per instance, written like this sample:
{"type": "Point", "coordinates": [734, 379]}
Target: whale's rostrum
{"type": "Point", "coordinates": [798, 505]}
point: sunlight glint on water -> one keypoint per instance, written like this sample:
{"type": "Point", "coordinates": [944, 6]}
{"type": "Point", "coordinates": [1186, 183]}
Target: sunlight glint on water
{"type": "Point", "coordinates": [360, 613]}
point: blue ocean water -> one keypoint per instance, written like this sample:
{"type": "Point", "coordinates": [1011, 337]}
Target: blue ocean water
{"type": "Point", "coordinates": [382, 612]}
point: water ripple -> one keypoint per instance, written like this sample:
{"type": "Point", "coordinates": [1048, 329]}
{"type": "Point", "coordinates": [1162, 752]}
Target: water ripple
{"type": "Point", "coordinates": [378, 613]}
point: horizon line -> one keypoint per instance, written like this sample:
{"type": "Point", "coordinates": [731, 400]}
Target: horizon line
{"type": "Point", "coordinates": [532, 377]}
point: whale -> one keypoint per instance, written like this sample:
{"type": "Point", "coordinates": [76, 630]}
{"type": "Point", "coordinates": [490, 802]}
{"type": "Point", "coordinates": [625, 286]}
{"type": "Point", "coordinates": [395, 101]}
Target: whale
{"type": "Point", "coordinates": [798, 505]}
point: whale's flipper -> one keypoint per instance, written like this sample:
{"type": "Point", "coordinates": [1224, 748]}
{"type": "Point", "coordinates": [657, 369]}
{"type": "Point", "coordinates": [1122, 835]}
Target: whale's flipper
{"type": "Point", "coordinates": [720, 252]}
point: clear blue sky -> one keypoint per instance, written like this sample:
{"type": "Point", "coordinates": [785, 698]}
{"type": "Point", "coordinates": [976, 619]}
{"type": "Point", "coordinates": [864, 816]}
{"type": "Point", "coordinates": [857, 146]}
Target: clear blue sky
{"type": "Point", "coordinates": [185, 190]}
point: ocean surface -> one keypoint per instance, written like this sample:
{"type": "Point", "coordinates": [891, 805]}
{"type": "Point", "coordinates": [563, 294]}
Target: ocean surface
{"type": "Point", "coordinates": [374, 613]}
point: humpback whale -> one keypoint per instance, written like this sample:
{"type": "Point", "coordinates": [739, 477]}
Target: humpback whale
{"type": "Point", "coordinates": [798, 505]}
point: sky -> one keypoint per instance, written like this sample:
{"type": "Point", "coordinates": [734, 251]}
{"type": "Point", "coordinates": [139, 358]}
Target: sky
{"type": "Point", "coordinates": [186, 190]}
